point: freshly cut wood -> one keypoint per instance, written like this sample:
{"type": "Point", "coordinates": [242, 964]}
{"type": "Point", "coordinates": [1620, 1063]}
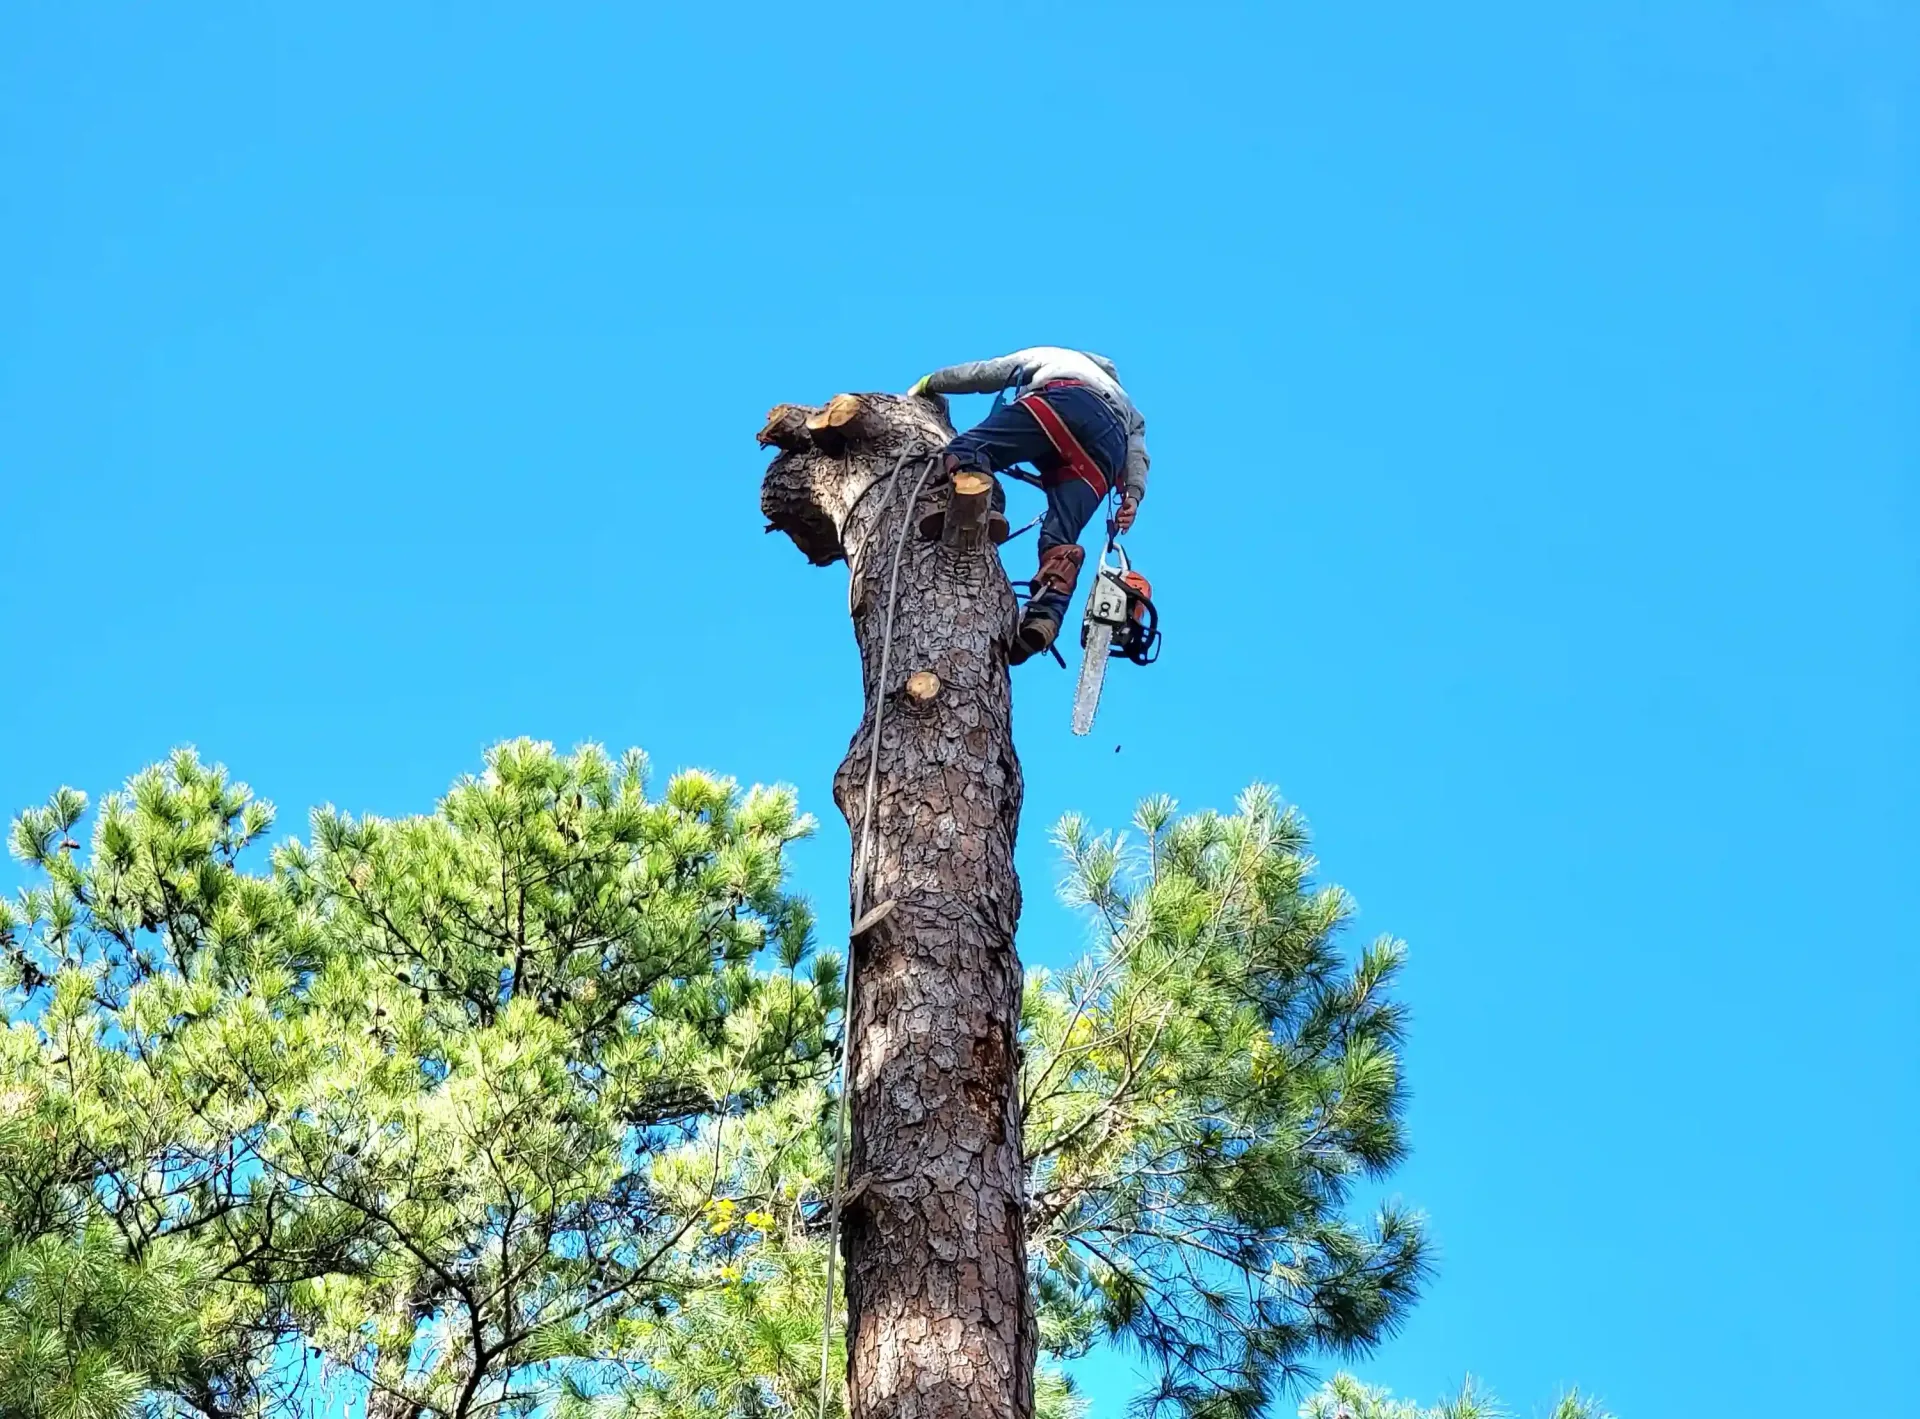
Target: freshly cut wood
{"type": "Point", "coordinates": [834, 426]}
{"type": "Point", "coordinates": [843, 409]}
{"type": "Point", "coordinates": [922, 686]}
{"type": "Point", "coordinates": [786, 427]}
{"type": "Point", "coordinates": [967, 502]}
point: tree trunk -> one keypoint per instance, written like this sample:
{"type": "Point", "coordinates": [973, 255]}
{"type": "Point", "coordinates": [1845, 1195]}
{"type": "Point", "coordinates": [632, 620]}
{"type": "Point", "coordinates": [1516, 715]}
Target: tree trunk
{"type": "Point", "coordinates": [940, 1321]}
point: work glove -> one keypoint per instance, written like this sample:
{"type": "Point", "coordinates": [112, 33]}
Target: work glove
{"type": "Point", "coordinates": [920, 385]}
{"type": "Point", "coordinates": [1129, 509]}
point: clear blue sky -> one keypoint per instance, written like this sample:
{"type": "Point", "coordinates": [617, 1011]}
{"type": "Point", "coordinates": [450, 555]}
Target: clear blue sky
{"type": "Point", "coordinates": [1533, 396]}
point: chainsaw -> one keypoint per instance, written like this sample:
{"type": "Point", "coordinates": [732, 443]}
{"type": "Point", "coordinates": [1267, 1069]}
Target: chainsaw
{"type": "Point", "coordinates": [1120, 624]}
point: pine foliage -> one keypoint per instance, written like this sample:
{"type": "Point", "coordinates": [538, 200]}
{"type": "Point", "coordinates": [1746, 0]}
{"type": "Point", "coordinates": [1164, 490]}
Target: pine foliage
{"type": "Point", "coordinates": [85, 1329]}
{"type": "Point", "coordinates": [410, 1090]}
{"type": "Point", "coordinates": [524, 1104]}
{"type": "Point", "coordinates": [1203, 1093]}
{"type": "Point", "coordinates": [1344, 1397]}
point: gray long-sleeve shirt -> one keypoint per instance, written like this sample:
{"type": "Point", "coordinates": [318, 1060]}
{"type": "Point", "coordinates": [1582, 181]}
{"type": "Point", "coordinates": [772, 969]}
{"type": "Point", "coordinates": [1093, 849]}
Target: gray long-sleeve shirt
{"type": "Point", "coordinates": [1042, 363]}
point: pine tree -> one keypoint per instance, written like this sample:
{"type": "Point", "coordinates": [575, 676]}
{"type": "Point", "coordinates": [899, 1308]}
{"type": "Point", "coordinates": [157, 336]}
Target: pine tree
{"type": "Point", "coordinates": [1344, 1397]}
{"type": "Point", "coordinates": [420, 1093]}
{"type": "Point", "coordinates": [125, 1205]}
{"type": "Point", "coordinates": [1202, 1095]}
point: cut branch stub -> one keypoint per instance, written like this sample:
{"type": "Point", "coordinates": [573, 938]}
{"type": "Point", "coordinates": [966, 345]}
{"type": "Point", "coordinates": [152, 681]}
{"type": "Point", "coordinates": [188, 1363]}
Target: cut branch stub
{"type": "Point", "coordinates": [966, 522]}
{"type": "Point", "coordinates": [833, 427]}
{"type": "Point", "coordinates": [923, 686]}
{"type": "Point", "coordinates": [786, 427]}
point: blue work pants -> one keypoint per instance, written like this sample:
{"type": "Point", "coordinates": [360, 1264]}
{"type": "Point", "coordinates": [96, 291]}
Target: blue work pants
{"type": "Point", "coordinates": [1010, 435]}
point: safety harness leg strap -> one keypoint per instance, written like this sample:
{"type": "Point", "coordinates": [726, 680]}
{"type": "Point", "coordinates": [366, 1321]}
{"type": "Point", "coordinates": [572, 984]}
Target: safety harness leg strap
{"type": "Point", "coordinates": [1063, 441]}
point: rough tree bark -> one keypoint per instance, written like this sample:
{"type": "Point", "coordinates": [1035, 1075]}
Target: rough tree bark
{"type": "Point", "coordinates": [940, 1322]}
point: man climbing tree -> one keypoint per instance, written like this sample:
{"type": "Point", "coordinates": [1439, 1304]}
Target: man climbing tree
{"type": "Point", "coordinates": [1073, 421]}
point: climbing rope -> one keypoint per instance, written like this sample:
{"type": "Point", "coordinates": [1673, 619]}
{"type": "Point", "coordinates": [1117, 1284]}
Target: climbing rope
{"type": "Point", "coordinates": [878, 715]}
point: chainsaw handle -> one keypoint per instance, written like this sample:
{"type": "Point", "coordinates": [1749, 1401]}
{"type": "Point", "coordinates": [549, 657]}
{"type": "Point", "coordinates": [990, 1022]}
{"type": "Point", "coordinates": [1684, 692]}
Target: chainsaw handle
{"type": "Point", "coordinates": [1144, 648]}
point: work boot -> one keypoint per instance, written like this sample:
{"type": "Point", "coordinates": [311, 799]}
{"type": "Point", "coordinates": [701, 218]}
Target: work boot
{"type": "Point", "coordinates": [1035, 637]}
{"type": "Point", "coordinates": [1059, 569]}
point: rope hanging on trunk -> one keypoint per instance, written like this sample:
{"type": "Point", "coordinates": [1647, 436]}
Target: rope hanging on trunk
{"type": "Point", "coordinates": [931, 461]}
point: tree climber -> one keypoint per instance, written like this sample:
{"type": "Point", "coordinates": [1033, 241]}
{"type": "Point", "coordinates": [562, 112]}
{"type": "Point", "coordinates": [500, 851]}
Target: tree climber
{"type": "Point", "coordinates": [1070, 418]}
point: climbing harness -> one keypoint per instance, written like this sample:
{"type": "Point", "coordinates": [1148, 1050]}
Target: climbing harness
{"type": "Point", "coordinates": [1026, 526]}
{"type": "Point", "coordinates": [1073, 457]}
{"type": "Point", "coordinates": [1006, 396]}
{"type": "Point", "coordinates": [869, 795]}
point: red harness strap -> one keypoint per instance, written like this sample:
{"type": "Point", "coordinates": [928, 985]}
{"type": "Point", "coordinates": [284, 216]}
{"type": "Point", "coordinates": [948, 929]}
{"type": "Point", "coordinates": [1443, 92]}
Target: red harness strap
{"type": "Point", "coordinates": [1061, 437]}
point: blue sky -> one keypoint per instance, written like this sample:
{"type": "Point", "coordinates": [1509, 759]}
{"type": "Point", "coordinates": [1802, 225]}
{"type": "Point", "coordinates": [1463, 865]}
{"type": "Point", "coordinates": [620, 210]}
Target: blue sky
{"type": "Point", "coordinates": [1531, 390]}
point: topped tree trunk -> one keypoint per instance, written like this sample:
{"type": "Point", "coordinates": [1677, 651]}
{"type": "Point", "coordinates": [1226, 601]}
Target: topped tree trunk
{"type": "Point", "coordinates": [940, 1321]}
